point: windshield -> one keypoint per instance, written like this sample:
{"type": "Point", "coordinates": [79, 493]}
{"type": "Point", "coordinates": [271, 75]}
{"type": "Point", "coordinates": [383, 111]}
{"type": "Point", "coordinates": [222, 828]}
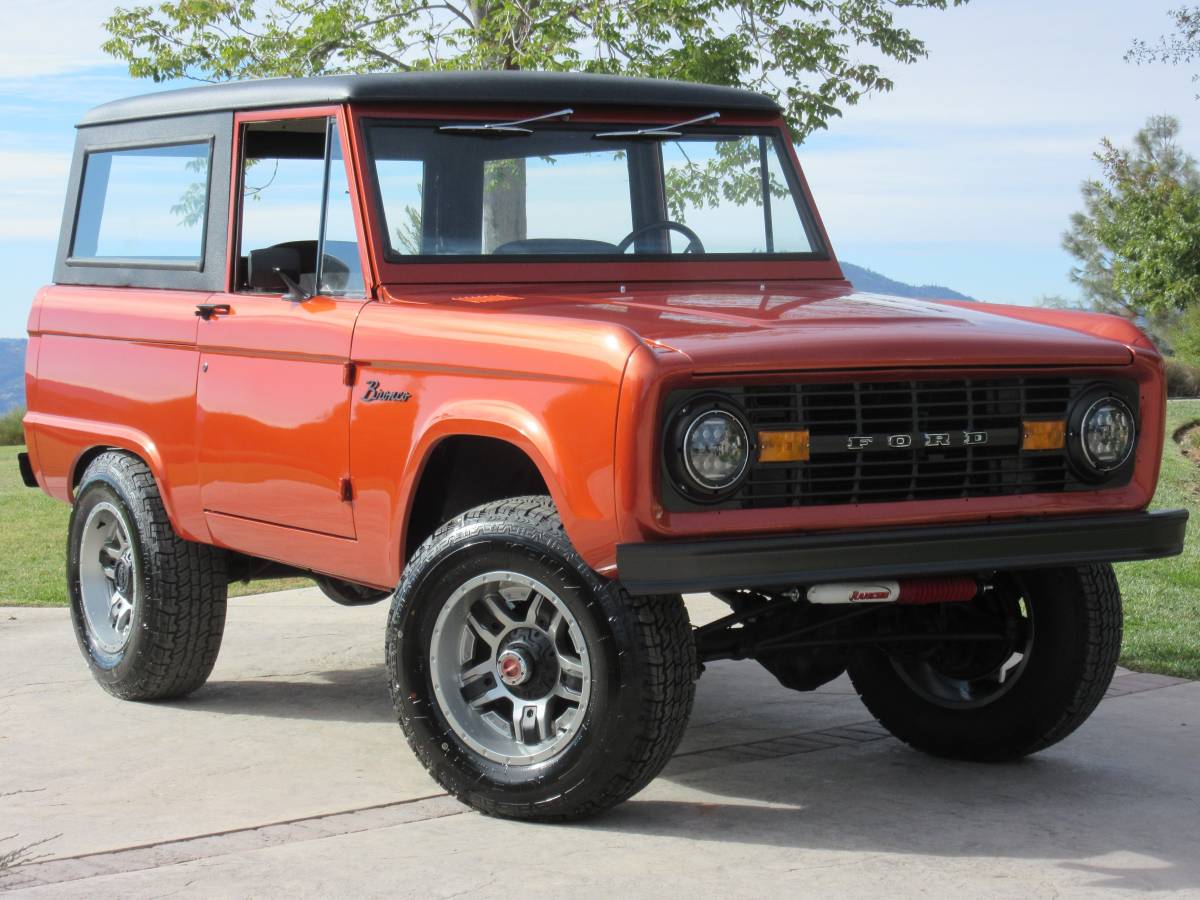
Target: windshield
{"type": "Point", "coordinates": [572, 190]}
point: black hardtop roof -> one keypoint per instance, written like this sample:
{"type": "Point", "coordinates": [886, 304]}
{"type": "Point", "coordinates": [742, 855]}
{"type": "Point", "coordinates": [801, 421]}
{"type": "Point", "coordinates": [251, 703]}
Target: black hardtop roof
{"type": "Point", "coordinates": [563, 88]}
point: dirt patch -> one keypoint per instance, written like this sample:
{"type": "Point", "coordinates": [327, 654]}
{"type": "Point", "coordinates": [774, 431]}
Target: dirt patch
{"type": "Point", "coordinates": [1188, 439]}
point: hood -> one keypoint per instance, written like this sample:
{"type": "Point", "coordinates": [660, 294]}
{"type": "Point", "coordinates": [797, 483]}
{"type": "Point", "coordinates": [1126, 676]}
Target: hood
{"type": "Point", "coordinates": [807, 325]}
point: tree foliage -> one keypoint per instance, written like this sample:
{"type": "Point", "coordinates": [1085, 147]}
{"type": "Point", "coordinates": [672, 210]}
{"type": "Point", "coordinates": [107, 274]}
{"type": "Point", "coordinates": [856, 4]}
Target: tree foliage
{"type": "Point", "coordinates": [1137, 239]}
{"type": "Point", "coordinates": [1179, 48]}
{"type": "Point", "coordinates": [816, 57]}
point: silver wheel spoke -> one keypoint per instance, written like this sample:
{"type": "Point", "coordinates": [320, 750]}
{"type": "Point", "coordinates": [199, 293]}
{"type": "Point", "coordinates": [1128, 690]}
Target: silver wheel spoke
{"type": "Point", "coordinates": [567, 692]}
{"type": "Point", "coordinates": [544, 729]}
{"type": "Point", "coordinates": [500, 610]}
{"type": "Point", "coordinates": [569, 666]}
{"type": "Point", "coordinates": [529, 720]}
{"type": "Point", "coordinates": [491, 695]}
{"type": "Point", "coordinates": [481, 631]}
{"type": "Point", "coordinates": [487, 667]}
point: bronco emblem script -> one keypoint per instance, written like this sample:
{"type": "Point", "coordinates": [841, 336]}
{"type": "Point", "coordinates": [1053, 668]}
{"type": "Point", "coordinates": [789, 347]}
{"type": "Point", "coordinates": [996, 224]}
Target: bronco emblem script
{"type": "Point", "coordinates": [374, 393]}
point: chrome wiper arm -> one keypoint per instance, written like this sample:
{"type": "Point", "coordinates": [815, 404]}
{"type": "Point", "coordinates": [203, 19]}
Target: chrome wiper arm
{"type": "Point", "coordinates": [502, 129]}
{"type": "Point", "coordinates": [659, 132]}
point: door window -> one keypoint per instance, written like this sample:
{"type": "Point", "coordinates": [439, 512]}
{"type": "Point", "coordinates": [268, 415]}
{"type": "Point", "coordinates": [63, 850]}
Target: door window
{"type": "Point", "coordinates": [297, 217]}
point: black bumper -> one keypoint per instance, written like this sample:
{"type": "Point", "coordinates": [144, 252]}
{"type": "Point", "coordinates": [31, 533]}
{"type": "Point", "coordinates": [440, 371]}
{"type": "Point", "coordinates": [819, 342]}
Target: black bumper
{"type": "Point", "coordinates": [27, 476]}
{"type": "Point", "coordinates": [675, 567]}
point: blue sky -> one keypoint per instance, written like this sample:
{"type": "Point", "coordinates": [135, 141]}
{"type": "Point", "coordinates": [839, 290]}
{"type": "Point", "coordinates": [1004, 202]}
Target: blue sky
{"type": "Point", "coordinates": [965, 175]}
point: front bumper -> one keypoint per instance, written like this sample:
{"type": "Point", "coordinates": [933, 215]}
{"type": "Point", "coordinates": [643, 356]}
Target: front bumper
{"type": "Point", "coordinates": [787, 561]}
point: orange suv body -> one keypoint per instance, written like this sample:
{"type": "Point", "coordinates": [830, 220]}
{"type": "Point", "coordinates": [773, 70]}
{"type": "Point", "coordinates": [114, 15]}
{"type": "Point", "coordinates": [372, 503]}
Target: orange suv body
{"type": "Point", "coordinates": [334, 314]}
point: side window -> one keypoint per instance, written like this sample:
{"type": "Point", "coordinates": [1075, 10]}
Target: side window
{"type": "Point", "coordinates": [297, 216]}
{"type": "Point", "coordinates": [146, 204]}
{"type": "Point", "coordinates": [342, 270]}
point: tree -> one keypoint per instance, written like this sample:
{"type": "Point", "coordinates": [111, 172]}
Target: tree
{"type": "Point", "coordinates": [1178, 49]}
{"type": "Point", "coordinates": [814, 56]}
{"type": "Point", "coordinates": [1138, 237]}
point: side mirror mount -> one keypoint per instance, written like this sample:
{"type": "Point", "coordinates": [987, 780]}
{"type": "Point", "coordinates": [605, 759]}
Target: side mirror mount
{"type": "Point", "coordinates": [276, 269]}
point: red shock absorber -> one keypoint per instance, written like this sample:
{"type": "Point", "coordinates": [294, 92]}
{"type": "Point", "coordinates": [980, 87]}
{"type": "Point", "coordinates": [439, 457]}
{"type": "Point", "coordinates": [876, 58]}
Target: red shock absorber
{"type": "Point", "coordinates": [953, 589]}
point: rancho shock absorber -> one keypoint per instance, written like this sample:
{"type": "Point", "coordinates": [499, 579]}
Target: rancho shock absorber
{"type": "Point", "coordinates": [952, 589]}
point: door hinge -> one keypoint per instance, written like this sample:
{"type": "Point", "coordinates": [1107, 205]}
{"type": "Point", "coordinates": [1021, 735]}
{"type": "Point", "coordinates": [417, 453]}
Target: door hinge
{"type": "Point", "coordinates": [350, 374]}
{"type": "Point", "coordinates": [347, 489]}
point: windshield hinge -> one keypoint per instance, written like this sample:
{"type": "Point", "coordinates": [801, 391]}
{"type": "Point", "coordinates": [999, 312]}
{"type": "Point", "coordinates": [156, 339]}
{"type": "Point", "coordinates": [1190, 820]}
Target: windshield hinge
{"type": "Point", "coordinates": [350, 374]}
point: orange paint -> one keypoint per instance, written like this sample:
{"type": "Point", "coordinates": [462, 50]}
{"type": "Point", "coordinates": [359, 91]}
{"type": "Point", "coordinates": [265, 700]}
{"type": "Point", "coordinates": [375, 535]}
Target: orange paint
{"type": "Point", "coordinates": [250, 426]}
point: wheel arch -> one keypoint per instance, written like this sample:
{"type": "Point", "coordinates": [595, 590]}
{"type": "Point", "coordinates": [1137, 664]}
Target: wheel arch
{"type": "Point", "coordinates": [516, 466]}
{"type": "Point", "coordinates": [144, 452]}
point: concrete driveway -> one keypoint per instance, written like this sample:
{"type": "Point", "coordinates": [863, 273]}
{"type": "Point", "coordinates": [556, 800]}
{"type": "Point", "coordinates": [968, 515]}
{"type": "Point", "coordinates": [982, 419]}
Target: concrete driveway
{"type": "Point", "coordinates": [287, 776]}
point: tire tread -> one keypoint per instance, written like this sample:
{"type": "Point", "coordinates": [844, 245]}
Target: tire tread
{"type": "Point", "coordinates": [185, 592]}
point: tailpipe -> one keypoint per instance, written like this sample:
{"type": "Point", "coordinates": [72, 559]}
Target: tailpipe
{"type": "Point", "coordinates": [914, 591]}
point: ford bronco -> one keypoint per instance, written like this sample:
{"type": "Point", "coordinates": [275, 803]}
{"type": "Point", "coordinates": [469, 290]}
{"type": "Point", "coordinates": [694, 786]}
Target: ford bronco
{"type": "Point", "coordinates": [534, 355]}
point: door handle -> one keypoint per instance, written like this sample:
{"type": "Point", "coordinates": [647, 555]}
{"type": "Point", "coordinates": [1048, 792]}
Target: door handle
{"type": "Point", "coordinates": [207, 310]}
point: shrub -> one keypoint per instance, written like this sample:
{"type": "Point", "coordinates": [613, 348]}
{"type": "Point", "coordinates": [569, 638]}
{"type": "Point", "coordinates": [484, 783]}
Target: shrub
{"type": "Point", "coordinates": [11, 431]}
{"type": "Point", "coordinates": [1183, 379]}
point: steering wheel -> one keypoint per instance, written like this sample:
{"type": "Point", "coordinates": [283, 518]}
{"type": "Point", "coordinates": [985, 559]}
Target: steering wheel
{"type": "Point", "coordinates": [695, 245]}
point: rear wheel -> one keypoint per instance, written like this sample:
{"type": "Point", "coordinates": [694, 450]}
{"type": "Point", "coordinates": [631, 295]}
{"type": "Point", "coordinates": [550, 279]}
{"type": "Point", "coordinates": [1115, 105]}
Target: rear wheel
{"type": "Point", "coordinates": [1000, 700]}
{"type": "Point", "coordinates": [148, 607]}
{"type": "Point", "coordinates": [527, 685]}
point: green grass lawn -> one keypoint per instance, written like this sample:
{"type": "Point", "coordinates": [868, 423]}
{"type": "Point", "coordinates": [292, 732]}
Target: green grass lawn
{"type": "Point", "coordinates": [33, 536]}
{"type": "Point", "coordinates": [1162, 597]}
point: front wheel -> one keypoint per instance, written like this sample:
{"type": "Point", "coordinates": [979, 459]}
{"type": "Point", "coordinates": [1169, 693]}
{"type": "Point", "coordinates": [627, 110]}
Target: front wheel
{"type": "Point", "coordinates": [1000, 700]}
{"type": "Point", "coordinates": [527, 685]}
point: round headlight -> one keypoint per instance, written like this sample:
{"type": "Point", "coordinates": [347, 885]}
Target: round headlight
{"type": "Point", "coordinates": [708, 448]}
{"type": "Point", "coordinates": [716, 449]}
{"type": "Point", "coordinates": [1106, 434]}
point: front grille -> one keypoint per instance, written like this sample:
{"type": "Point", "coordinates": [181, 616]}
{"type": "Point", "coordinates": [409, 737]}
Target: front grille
{"type": "Point", "coordinates": [885, 468]}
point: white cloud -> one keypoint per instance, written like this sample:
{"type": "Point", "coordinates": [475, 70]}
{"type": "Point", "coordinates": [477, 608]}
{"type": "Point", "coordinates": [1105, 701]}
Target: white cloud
{"type": "Point", "coordinates": [32, 186]}
{"type": "Point", "coordinates": [51, 37]}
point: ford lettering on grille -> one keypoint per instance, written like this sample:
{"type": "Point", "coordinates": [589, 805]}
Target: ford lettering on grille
{"type": "Point", "coordinates": [908, 441]}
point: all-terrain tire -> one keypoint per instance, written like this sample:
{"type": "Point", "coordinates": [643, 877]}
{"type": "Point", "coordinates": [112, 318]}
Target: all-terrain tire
{"type": "Point", "coordinates": [179, 587]}
{"type": "Point", "coordinates": [642, 687]}
{"type": "Point", "coordinates": [1077, 625]}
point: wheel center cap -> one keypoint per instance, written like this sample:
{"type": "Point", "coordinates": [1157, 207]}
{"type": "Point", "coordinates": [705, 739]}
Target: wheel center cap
{"type": "Point", "coordinates": [514, 667]}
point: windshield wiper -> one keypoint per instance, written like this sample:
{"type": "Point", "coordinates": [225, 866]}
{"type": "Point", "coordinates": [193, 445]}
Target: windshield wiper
{"type": "Point", "coordinates": [659, 132]}
{"type": "Point", "coordinates": [504, 129]}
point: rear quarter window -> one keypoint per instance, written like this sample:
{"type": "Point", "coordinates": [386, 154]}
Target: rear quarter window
{"type": "Point", "coordinates": [145, 205]}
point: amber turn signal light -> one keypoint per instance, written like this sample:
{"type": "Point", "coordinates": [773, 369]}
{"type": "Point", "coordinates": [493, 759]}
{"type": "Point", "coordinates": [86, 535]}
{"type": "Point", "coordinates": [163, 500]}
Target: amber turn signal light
{"type": "Point", "coordinates": [782, 446]}
{"type": "Point", "coordinates": [1043, 435]}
